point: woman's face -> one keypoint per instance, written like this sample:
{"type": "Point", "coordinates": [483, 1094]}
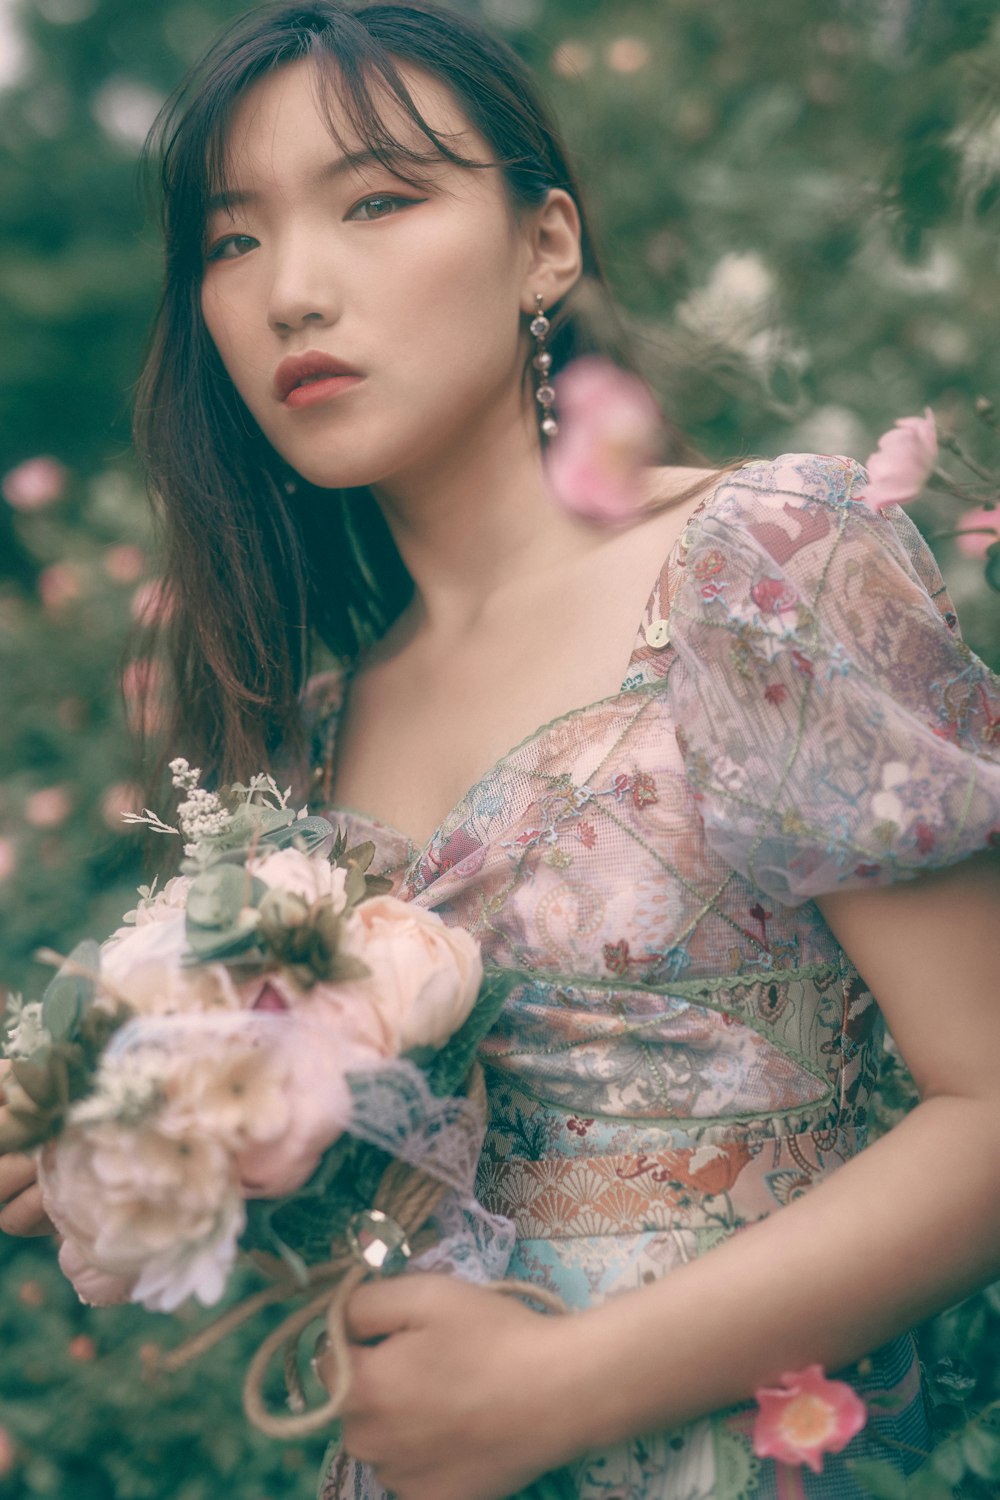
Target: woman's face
{"type": "Point", "coordinates": [418, 291]}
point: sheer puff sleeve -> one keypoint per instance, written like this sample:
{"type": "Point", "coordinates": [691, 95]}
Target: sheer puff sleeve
{"type": "Point", "coordinates": [835, 728]}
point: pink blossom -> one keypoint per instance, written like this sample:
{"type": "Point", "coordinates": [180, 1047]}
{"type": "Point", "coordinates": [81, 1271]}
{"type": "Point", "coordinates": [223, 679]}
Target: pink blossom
{"type": "Point", "coordinates": [59, 584]}
{"type": "Point", "coordinates": [8, 859]}
{"type": "Point", "coordinates": [902, 463]}
{"type": "Point", "coordinates": [121, 797]}
{"type": "Point", "coordinates": [34, 484]}
{"type": "Point", "coordinates": [48, 807]}
{"type": "Point", "coordinates": [125, 562]}
{"type": "Point", "coordinates": [976, 542]}
{"type": "Point", "coordinates": [609, 430]}
{"type": "Point", "coordinates": [142, 682]}
{"type": "Point", "coordinates": [806, 1417]}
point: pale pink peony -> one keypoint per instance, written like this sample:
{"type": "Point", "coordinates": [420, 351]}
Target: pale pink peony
{"type": "Point", "coordinates": [425, 975]}
{"type": "Point", "coordinates": [47, 808]}
{"type": "Point", "coordinates": [138, 1204]}
{"type": "Point", "coordinates": [902, 463]}
{"type": "Point", "coordinates": [609, 431]}
{"type": "Point", "coordinates": [977, 541]}
{"type": "Point", "coordinates": [124, 562]}
{"type": "Point", "coordinates": [35, 483]}
{"type": "Point", "coordinates": [314, 879]}
{"type": "Point", "coordinates": [311, 1065]}
{"type": "Point", "coordinates": [98, 1288]}
{"type": "Point", "coordinates": [806, 1417]}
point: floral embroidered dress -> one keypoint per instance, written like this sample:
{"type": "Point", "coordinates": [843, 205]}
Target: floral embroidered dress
{"type": "Point", "coordinates": [687, 1048]}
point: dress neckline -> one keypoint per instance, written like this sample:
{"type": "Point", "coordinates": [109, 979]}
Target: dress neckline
{"type": "Point", "coordinates": [416, 852]}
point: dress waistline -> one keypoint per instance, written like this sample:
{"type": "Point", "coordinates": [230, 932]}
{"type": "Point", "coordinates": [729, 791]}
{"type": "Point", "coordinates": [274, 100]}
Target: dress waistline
{"type": "Point", "coordinates": [719, 1186]}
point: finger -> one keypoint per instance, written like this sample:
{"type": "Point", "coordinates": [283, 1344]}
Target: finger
{"type": "Point", "coordinates": [25, 1214]}
{"type": "Point", "coordinates": [378, 1308]}
{"type": "Point", "coordinates": [17, 1172]}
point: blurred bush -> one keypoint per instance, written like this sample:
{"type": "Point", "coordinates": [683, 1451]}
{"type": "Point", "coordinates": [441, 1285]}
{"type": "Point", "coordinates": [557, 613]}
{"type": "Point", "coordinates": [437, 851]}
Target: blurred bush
{"type": "Point", "coordinates": [800, 201]}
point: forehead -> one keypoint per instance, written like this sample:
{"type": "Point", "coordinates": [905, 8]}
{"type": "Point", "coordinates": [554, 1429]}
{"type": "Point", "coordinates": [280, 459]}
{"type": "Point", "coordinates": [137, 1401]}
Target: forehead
{"type": "Point", "coordinates": [301, 111]}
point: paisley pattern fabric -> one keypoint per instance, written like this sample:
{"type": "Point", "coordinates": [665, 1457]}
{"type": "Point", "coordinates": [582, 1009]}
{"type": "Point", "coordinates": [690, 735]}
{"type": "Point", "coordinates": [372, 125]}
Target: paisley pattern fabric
{"type": "Point", "coordinates": [687, 1049]}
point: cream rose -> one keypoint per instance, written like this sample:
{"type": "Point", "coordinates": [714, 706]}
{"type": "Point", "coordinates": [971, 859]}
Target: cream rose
{"type": "Point", "coordinates": [425, 975]}
{"type": "Point", "coordinates": [145, 968]}
{"type": "Point", "coordinates": [313, 879]}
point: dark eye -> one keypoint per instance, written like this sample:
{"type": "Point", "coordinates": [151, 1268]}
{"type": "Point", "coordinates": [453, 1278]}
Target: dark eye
{"type": "Point", "coordinates": [233, 246]}
{"type": "Point", "coordinates": [381, 206]}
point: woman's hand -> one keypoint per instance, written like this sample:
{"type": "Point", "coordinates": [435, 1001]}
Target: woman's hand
{"type": "Point", "coordinates": [22, 1211]}
{"type": "Point", "coordinates": [460, 1398]}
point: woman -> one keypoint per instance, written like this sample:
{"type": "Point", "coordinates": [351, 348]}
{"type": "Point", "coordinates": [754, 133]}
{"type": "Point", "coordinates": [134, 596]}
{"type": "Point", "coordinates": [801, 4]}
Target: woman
{"type": "Point", "coordinates": [757, 721]}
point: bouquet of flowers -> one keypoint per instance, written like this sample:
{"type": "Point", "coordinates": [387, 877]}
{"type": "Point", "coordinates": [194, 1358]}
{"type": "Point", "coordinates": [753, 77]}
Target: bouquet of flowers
{"type": "Point", "coordinates": [271, 1054]}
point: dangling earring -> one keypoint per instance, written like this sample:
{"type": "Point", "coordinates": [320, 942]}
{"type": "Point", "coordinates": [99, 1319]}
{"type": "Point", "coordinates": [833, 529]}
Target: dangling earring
{"type": "Point", "coordinates": [544, 394]}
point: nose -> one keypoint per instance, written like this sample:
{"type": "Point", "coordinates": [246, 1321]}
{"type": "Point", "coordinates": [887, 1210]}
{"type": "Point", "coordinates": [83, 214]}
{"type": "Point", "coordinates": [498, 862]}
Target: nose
{"type": "Point", "coordinates": [303, 289]}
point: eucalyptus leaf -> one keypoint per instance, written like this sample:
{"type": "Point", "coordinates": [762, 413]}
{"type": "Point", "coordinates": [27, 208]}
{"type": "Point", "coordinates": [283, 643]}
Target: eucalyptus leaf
{"type": "Point", "coordinates": [310, 833]}
{"type": "Point", "coordinates": [217, 896]}
{"type": "Point", "coordinates": [67, 995]}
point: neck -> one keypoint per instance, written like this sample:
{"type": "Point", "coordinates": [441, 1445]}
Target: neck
{"type": "Point", "coordinates": [478, 526]}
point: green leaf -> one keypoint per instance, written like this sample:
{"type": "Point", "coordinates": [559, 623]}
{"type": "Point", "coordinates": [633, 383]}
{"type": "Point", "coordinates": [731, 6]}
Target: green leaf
{"type": "Point", "coordinates": [309, 833]}
{"type": "Point", "coordinates": [218, 896]}
{"type": "Point", "coordinates": [879, 1478]}
{"type": "Point", "coordinates": [36, 1081]}
{"type": "Point", "coordinates": [452, 1063]}
{"type": "Point", "coordinates": [67, 996]}
{"type": "Point", "coordinates": [993, 566]}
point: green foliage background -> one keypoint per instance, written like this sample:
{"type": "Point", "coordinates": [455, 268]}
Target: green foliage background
{"type": "Point", "coordinates": [800, 202]}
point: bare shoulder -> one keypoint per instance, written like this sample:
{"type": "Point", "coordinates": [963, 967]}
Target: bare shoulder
{"type": "Point", "coordinates": [669, 496]}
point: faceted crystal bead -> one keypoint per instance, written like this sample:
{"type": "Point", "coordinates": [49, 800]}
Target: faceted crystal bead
{"type": "Point", "coordinates": [550, 426]}
{"type": "Point", "coordinates": [540, 326]}
{"type": "Point", "coordinates": [545, 395]}
{"type": "Point", "coordinates": [542, 361]}
{"type": "Point", "coordinates": [378, 1241]}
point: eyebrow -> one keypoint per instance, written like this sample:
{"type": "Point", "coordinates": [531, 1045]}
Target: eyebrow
{"type": "Point", "coordinates": [349, 162]}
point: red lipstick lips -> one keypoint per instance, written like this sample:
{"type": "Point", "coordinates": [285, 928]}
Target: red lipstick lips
{"type": "Point", "coordinates": [303, 379]}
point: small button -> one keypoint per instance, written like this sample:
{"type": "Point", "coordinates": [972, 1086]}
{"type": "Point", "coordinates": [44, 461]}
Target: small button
{"type": "Point", "coordinates": [657, 634]}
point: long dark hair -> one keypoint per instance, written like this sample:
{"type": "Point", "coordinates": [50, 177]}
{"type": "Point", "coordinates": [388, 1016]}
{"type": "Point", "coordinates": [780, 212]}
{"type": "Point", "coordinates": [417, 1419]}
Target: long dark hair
{"type": "Point", "coordinates": [257, 563]}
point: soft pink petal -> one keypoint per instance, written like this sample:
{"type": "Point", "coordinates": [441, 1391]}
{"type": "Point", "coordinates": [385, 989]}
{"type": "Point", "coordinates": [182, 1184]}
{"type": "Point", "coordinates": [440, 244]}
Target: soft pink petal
{"type": "Point", "coordinates": [609, 431]}
{"type": "Point", "coordinates": [975, 544]}
{"type": "Point", "coordinates": [900, 466]}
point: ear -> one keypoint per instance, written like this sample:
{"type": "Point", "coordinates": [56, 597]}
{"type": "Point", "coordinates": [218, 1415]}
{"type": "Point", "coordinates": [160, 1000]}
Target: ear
{"type": "Point", "coordinates": [554, 260]}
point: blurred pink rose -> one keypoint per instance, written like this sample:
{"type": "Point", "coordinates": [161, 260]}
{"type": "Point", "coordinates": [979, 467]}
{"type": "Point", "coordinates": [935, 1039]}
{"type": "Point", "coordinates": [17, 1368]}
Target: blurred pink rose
{"type": "Point", "coordinates": [609, 431]}
{"type": "Point", "coordinates": [58, 585]}
{"type": "Point", "coordinates": [152, 602]}
{"type": "Point", "coordinates": [142, 680]}
{"type": "Point", "coordinates": [98, 1288]}
{"type": "Point", "coordinates": [119, 798]}
{"type": "Point", "coordinates": [806, 1417]}
{"type": "Point", "coordinates": [902, 463]}
{"type": "Point", "coordinates": [47, 808]}
{"type": "Point", "coordinates": [425, 974]}
{"type": "Point", "coordinates": [8, 859]}
{"type": "Point", "coordinates": [124, 562]}
{"type": "Point", "coordinates": [976, 543]}
{"type": "Point", "coordinates": [35, 483]}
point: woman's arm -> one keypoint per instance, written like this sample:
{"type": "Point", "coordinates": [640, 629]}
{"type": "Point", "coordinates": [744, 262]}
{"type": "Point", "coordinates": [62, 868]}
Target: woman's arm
{"type": "Point", "coordinates": [909, 1226]}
